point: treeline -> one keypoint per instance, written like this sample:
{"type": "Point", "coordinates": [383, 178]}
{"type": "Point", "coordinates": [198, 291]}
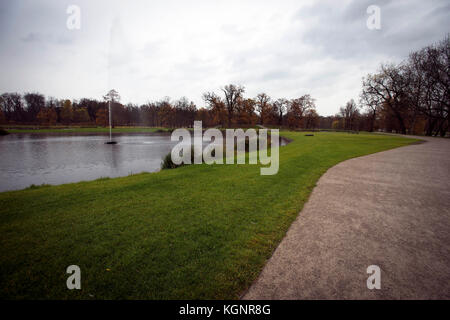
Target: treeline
{"type": "Point", "coordinates": [230, 109]}
{"type": "Point", "coordinates": [34, 108]}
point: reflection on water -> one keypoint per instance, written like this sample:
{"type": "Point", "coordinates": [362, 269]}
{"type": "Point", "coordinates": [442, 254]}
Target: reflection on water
{"type": "Point", "coordinates": [57, 158]}
{"type": "Point", "coordinates": [27, 159]}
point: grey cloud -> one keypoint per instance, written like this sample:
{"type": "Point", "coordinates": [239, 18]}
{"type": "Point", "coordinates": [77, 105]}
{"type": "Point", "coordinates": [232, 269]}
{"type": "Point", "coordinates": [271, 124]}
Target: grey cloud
{"type": "Point", "coordinates": [62, 39]}
{"type": "Point", "coordinates": [276, 75]}
{"type": "Point", "coordinates": [341, 32]}
{"type": "Point", "coordinates": [151, 49]}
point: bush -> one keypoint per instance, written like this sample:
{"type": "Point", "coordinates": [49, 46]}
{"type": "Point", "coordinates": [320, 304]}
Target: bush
{"type": "Point", "coordinates": [34, 186]}
{"type": "Point", "coordinates": [3, 132]}
{"type": "Point", "coordinates": [167, 162]}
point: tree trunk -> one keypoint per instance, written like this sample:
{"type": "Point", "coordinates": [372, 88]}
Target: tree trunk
{"type": "Point", "coordinates": [401, 123]}
{"type": "Point", "coordinates": [430, 126]}
{"type": "Point", "coordinates": [372, 121]}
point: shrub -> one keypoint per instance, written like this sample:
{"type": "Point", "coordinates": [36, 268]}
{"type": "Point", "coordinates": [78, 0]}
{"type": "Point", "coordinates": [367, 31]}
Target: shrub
{"type": "Point", "coordinates": [167, 162]}
{"type": "Point", "coordinates": [34, 186]}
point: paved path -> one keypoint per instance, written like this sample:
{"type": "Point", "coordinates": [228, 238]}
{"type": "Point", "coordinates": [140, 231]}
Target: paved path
{"type": "Point", "coordinates": [390, 209]}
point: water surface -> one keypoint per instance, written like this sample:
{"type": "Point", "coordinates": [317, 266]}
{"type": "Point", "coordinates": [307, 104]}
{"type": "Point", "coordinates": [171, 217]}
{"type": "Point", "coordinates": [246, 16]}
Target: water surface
{"type": "Point", "coordinates": [57, 158]}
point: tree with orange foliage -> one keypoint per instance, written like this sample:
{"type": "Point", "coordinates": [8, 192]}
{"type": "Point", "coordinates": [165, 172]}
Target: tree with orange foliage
{"type": "Point", "coordinates": [217, 108]}
{"type": "Point", "coordinates": [166, 113]}
{"type": "Point", "coordinates": [101, 117]}
{"type": "Point", "coordinates": [47, 116]}
{"type": "Point", "coordinates": [297, 110]}
{"type": "Point", "coordinates": [246, 112]}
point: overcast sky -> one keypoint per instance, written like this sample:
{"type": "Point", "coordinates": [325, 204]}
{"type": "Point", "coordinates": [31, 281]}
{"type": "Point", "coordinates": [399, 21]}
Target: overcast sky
{"type": "Point", "coordinates": [147, 50]}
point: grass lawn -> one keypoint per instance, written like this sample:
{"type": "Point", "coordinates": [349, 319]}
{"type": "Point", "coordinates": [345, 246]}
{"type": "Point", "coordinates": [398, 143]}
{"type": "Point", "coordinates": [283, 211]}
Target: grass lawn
{"type": "Point", "coordinates": [196, 232]}
{"type": "Point", "coordinates": [37, 129]}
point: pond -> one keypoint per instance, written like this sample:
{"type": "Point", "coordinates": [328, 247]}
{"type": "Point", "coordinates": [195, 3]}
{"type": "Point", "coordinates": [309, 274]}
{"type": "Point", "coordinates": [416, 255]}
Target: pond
{"type": "Point", "coordinates": [57, 158]}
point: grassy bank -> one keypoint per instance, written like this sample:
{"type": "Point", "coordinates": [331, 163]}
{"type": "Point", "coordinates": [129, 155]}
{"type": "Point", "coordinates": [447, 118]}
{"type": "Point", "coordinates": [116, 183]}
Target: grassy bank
{"type": "Point", "coordinates": [195, 232]}
{"type": "Point", "coordinates": [37, 129]}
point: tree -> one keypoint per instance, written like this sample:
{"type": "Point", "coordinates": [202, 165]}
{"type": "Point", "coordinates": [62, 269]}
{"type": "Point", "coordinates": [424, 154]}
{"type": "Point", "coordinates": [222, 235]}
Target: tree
{"type": "Point", "coordinates": [389, 86]}
{"type": "Point", "coordinates": [311, 119]}
{"type": "Point", "coordinates": [217, 108]}
{"type": "Point", "coordinates": [52, 116]}
{"type": "Point", "coordinates": [52, 103]}
{"type": "Point", "coordinates": [280, 108]}
{"type": "Point", "coordinates": [413, 92]}
{"type": "Point", "coordinates": [372, 104]}
{"type": "Point", "coordinates": [336, 124]}
{"type": "Point", "coordinates": [66, 113]}
{"type": "Point", "coordinates": [184, 112]}
{"type": "Point", "coordinates": [246, 112]}
{"type": "Point", "coordinates": [80, 115]}
{"type": "Point", "coordinates": [297, 109]}
{"type": "Point", "coordinates": [350, 115]}
{"type": "Point", "coordinates": [429, 85]}
{"type": "Point", "coordinates": [204, 115]}
{"type": "Point", "coordinates": [232, 95]}
{"type": "Point", "coordinates": [166, 113]}
{"type": "Point", "coordinates": [263, 107]}
{"type": "Point", "coordinates": [2, 117]}
{"type": "Point", "coordinates": [47, 116]}
{"type": "Point", "coordinates": [112, 96]}
{"type": "Point", "coordinates": [35, 102]}
{"type": "Point", "coordinates": [92, 106]}
{"type": "Point", "coordinates": [12, 106]}
{"type": "Point", "coordinates": [42, 116]}
{"type": "Point", "coordinates": [101, 117]}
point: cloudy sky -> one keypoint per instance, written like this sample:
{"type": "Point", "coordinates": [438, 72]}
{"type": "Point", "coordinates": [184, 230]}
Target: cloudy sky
{"type": "Point", "coordinates": [151, 49]}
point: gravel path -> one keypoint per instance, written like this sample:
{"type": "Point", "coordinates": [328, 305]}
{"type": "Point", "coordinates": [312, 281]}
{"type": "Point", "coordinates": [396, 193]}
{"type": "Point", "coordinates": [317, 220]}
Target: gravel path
{"type": "Point", "coordinates": [390, 209]}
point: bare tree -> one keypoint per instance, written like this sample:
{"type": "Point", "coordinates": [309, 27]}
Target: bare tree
{"type": "Point", "coordinates": [281, 106]}
{"type": "Point", "coordinates": [418, 88]}
{"type": "Point", "coordinates": [13, 107]}
{"type": "Point", "coordinates": [389, 86]}
{"type": "Point", "coordinates": [373, 104]}
{"type": "Point", "coordinates": [112, 96]}
{"type": "Point", "coordinates": [262, 106]}
{"type": "Point", "coordinates": [232, 95]}
{"type": "Point", "coordinates": [311, 119]}
{"type": "Point", "coordinates": [428, 74]}
{"type": "Point", "coordinates": [350, 114]}
{"type": "Point", "coordinates": [34, 102]}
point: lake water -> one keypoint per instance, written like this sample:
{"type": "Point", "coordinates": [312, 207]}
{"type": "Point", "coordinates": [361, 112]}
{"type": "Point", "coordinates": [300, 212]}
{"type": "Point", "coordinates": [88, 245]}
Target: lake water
{"type": "Point", "coordinates": [57, 158]}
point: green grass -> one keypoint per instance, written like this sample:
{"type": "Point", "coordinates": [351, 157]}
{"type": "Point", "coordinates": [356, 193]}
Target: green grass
{"type": "Point", "coordinates": [37, 129]}
{"type": "Point", "coordinates": [196, 232]}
